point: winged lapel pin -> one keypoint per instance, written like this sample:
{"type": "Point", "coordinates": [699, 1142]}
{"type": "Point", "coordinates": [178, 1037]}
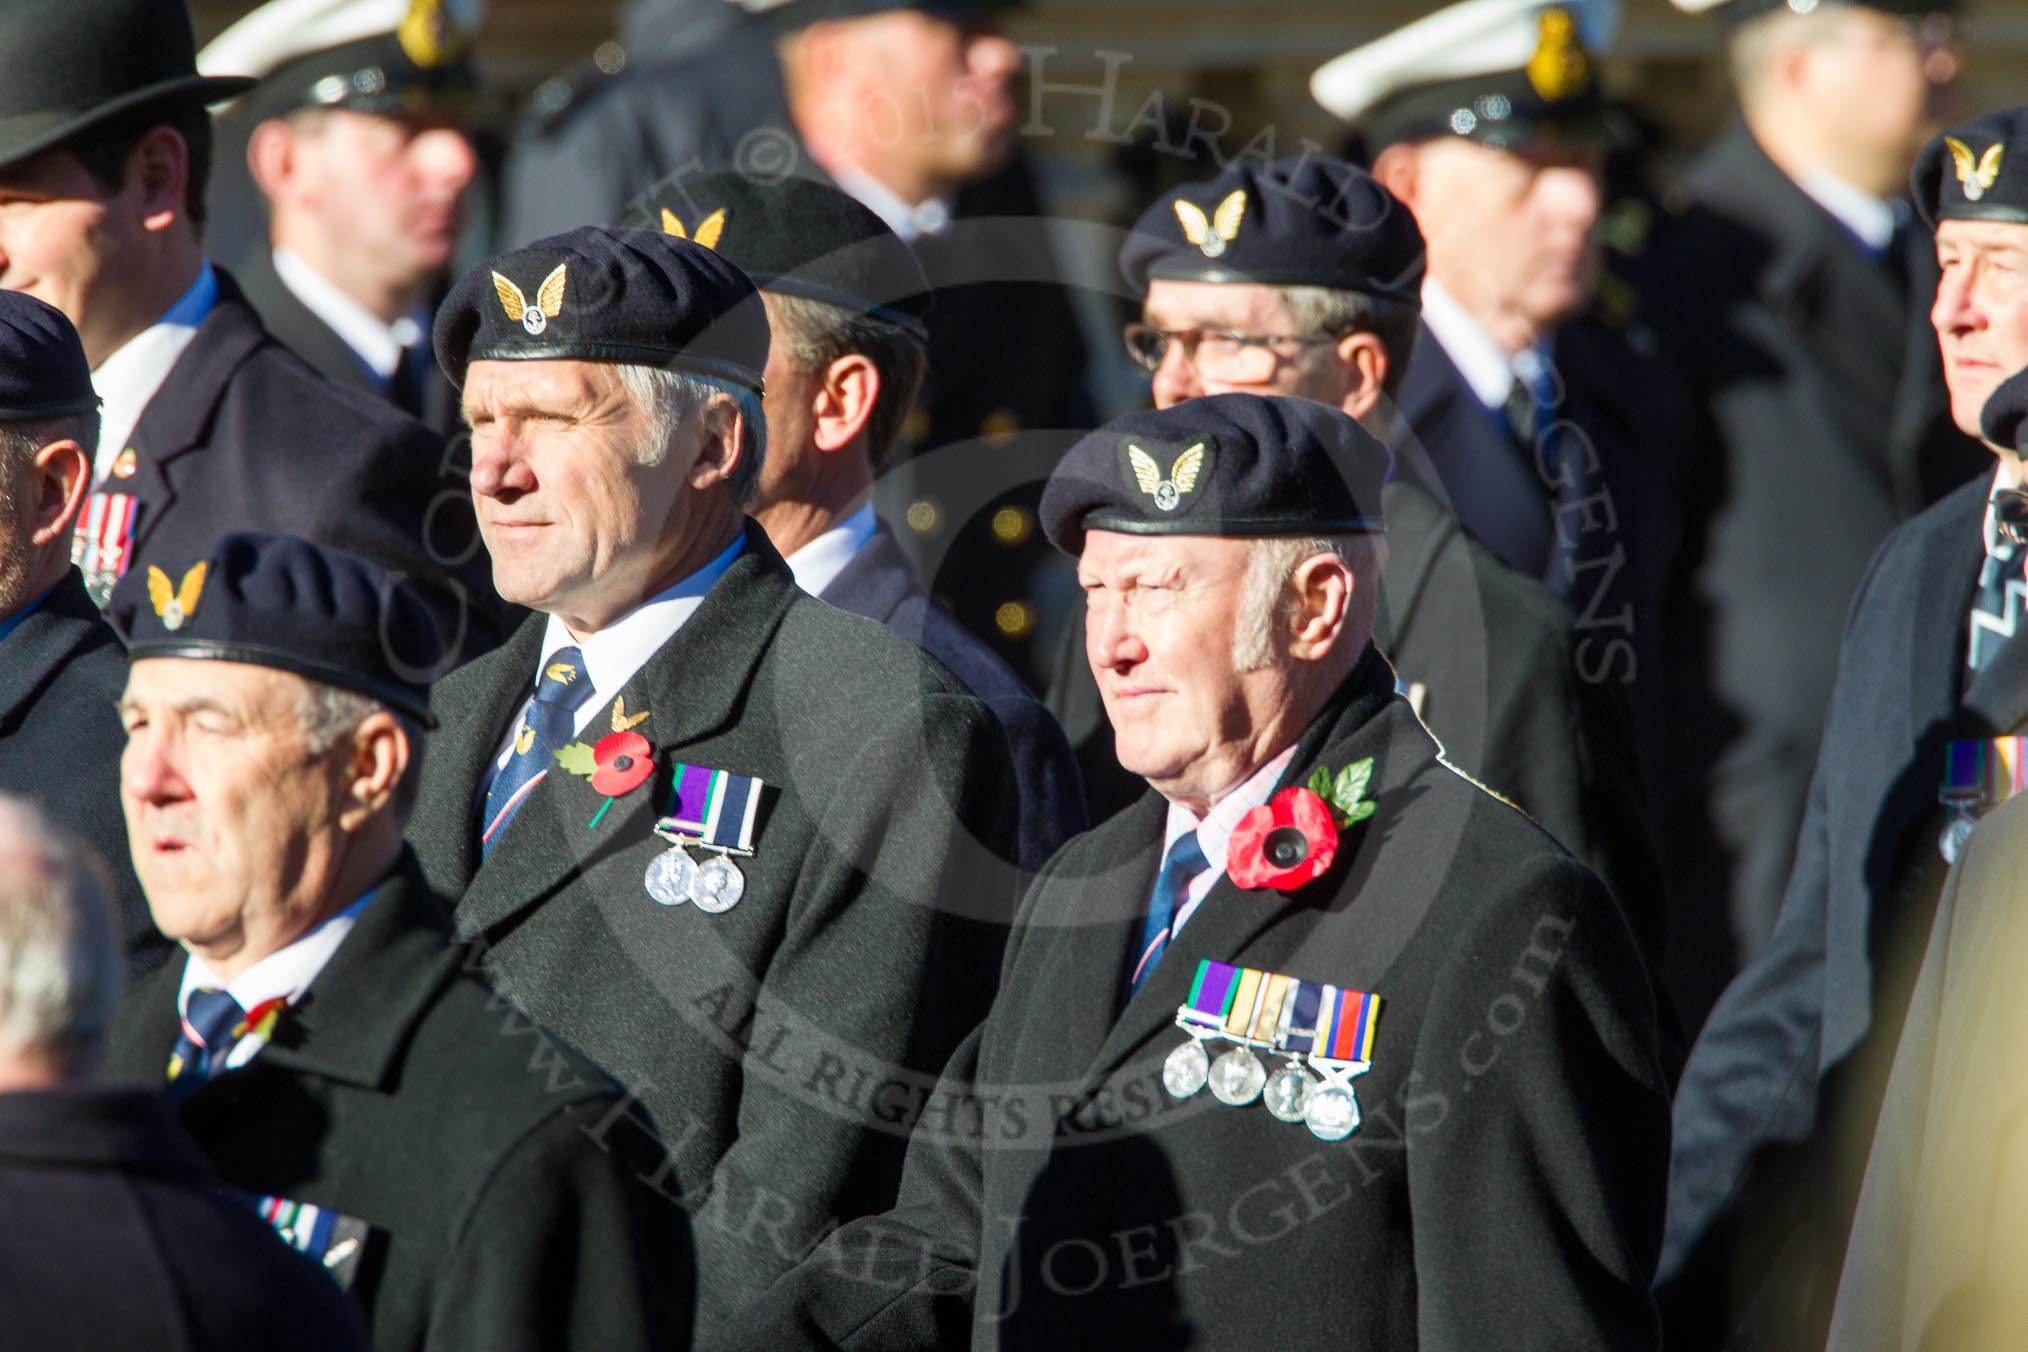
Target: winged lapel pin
{"type": "Point", "coordinates": [1167, 493]}
{"type": "Point", "coordinates": [1977, 174]}
{"type": "Point", "coordinates": [1215, 234]}
{"type": "Point", "coordinates": [548, 301]}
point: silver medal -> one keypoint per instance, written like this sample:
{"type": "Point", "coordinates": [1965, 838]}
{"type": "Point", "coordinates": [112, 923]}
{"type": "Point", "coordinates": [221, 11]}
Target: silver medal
{"type": "Point", "coordinates": [1184, 1073]}
{"type": "Point", "coordinates": [1955, 834]}
{"type": "Point", "coordinates": [1236, 1077]}
{"type": "Point", "coordinates": [1288, 1091]}
{"type": "Point", "coordinates": [671, 876]}
{"type": "Point", "coordinates": [718, 886]}
{"type": "Point", "coordinates": [1332, 1113]}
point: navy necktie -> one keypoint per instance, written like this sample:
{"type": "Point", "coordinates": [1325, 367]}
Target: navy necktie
{"type": "Point", "coordinates": [1183, 863]}
{"type": "Point", "coordinates": [550, 721]}
{"type": "Point", "coordinates": [210, 1017]}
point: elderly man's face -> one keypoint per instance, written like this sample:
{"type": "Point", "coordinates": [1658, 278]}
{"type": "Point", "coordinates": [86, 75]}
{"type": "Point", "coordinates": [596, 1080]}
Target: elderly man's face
{"type": "Point", "coordinates": [577, 521]}
{"type": "Point", "coordinates": [1304, 370]}
{"type": "Point", "coordinates": [1981, 311]}
{"type": "Point", "coordinates": [1510, 232]}
{"type": "Point", "coordinates": [232, 822]}
{"type": "Point", "coordinates": [1162, 632]}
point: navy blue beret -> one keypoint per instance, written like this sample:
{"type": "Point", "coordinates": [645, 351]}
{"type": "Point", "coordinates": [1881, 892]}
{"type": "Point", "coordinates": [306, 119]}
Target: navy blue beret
{"type": "Point", "coordinates": [1300, 222]}
{"type": "Point", "coordinates": [1976, 171]}
{"type": "Point", "coordinates": [793, 235]}
{"type": "Point", "coordinates": [597, 293]}
{"type": "Point", "coordinates": [1242, 465]}
{"type": "Point", "coordinates": [277, 601]}
{"type": "Point", "coordinates": [43, 371]}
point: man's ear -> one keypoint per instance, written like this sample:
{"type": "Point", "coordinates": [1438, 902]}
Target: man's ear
{"type": "Point", "coordinates": [722, 439]}
{"type": "Point", "coordinates": [160, 164]}
{"type": "Point", "coordinates": [845, 402]}
{"type": "Point", "coordinates": [1364, 359]}
{"type": "Point", "coordinates": [1398, 169]}
{"type": "Point", "coordinates": [1323, 585]}
{"type": "Point", "coordinates": [271, 157]}
{"type": "Point", "coordinates": [379, 758]}
{"type": "Point", "coordinates": [62, 475]}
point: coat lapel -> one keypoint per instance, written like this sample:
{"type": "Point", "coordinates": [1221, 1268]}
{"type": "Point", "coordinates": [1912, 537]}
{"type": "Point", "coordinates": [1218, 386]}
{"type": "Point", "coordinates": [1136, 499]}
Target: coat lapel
{"type": "Point", "coordinates": [876, 580]}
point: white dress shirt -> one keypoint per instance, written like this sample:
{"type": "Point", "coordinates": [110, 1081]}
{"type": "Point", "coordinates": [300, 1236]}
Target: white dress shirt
{"type": "Point", "coordinates": [818, 563]}
{"type": "Point", "coordinates": [1871, 220]}
{"type": "Point", "coordinates": [1214, 831]}
{"type": "Point", "coordinates": [616, 652]}
{"type": "Point", "coordinates": [129, 378]}
{"type": "Point", "coordinates": [909, 220]}
{"type": "Point", "coordinates": [1484, 364]}
{"type": "Point", "coordinates": [376, 343]}
{"type": "Point", "coordinates": [285, 973]}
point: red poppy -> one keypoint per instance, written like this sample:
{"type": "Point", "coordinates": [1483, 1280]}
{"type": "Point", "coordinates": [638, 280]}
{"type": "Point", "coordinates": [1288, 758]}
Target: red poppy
{"type": "Point", "coordinates": [1283, 844]}
{"type": "Point", "coordinates": [623, 763]}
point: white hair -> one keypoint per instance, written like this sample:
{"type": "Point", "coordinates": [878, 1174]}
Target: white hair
{"type": "Point", "coordinates": [670, 397]}
{"type": "Point", "coordinates": [1267, 600]}
{"type": "Point", "coordinates": [60, 972]}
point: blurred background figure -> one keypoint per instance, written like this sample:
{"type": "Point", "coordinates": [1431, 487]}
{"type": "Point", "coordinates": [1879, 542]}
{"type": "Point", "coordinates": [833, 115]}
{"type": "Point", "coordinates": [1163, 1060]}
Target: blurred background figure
{"type": "Point", "coordinates": [1790, 282]}
{"type": "Point", "coordinates": [116, 1233]}
{"type": "Point", "coordinates": [61, 666]}
{"type": "Point", "coordinates": [357, 145]}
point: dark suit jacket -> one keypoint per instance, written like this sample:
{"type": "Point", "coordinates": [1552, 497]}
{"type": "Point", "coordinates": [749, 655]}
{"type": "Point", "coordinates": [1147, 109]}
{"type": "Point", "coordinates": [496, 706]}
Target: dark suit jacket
{"type": "Point", "coordinates": [1818, 370]}
{"type": "Point", "coordinates": [1477, 1204]}
{"type": "Point", "coordinates": [491, 1161]}
{"type": "Point", "coordinates": [62, 671]}
{"type": "Point", "coordinates": [1777, 1082]}
{"type": "Point", "coordinates": [244, 436]}
{"type": "Point", "coordinates": [305, 333]}
{"type": "Point", "coordinates": [776, 1046]}
{"type": "Point", "coordinates": [116, 1237]}
{"type": "Point", "coordinates": [881, 584]}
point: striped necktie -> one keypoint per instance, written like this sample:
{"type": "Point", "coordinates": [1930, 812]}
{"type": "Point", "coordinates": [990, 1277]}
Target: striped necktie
{"type": "Point", "coordinates": [1996, 606]}
{"type": "Point", "coordinates": [212, 1021]}
{"type": "Point", "coordinates": [550, 720]}
{"type": "Point", "coordinates": [1183, 863]}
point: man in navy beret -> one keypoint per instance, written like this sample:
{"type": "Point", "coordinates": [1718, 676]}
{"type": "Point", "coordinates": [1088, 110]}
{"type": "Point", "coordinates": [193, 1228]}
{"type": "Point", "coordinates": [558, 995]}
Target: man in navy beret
{"type": "Point", "coordinates": [749, 852]}
{"type": "Point", "coordinates": [321, 1044]}
{"type": "Point", "coordinates": [1448, 1001]}
{"type": "Point", "coordinates": [846, 301]}
{"type": "Point", "coordinates": [1785, 1083]}
{"type": "Point", "coordinates": [61, 667]}
{"type": "Point", "coordinates": [1303, 277]}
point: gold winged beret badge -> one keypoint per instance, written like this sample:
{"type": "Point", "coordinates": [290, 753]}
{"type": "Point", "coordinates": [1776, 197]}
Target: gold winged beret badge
{"type": "Point", "coordinates": [1212, 235]}
{"type": "Point", "coordinates": [1559, 67]}
{"type": "Point", "coordinates": [175, 603]}
{"type": "Point", "coordinates": [1977, 174]}
{"type": "Point", "coordinates": [548, 301]}
{"type": "Point", "coordinates": [1167, 493]}
{"type": "Point", "coordinates": [708, 229]}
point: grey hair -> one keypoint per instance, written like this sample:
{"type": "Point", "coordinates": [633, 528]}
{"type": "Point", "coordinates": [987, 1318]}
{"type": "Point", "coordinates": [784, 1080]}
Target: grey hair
{"type": "Point", "coordinates": [329, 712]}
{"type": "Point", "coordinates": [1335, 313]}
{"type": "Point", "coordinates": [1267, 602]}
{"type": "Point", "coordinates": [19, 441]}
{"type": "Point", "coordinates": [672, 396]}
{"type": "Point", "coordinates": [60, 970]}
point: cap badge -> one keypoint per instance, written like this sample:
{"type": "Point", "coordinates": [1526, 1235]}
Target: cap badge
{"type": "Point", "coordinates": [1976, 174]}
{"type": "Point", "coordinates": [429, 35]}
{"type": "Point", "coordinates": [1559, 67]}
{"type": "Point", "coordinates": [548, 301]}
{"type": "Point", "coordinates": [708, 229]}
{"type": "Point", "coordinates": [1167, 493]}
{"type": "Point", "coordinates": [1212, 236]}
{"type": "Point", "coordinates": [175, 604]}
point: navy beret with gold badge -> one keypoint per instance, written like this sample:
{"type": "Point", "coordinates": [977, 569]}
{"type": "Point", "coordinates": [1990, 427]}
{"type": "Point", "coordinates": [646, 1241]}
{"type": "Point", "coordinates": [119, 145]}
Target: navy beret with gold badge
{"type": "Point", "coordinates": [596, 293]}
{"type": "Point", "coordinates": [43, 370]}
{"type": "Point", "coordinates": [277, 601]}
{"type": "Point", "coordinates": [1976, 171]}
{"type": "Point", "coordinates": [1295, 222]}
{"type": "Point", "coordinates": [796, 236]}
{"type": "Point", "coordinates": [1242, 465]}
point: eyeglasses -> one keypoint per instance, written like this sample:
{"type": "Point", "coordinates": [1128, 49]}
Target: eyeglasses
{"type": "Point", "coordinates": [1223, 355]}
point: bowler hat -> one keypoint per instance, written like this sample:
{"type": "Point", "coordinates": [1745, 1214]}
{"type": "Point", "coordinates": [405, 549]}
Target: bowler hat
{"type": "Point", "coordinates": [67, 67]}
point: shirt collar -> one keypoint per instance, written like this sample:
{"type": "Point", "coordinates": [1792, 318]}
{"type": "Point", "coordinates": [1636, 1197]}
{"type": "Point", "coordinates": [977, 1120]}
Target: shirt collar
{"type": "Point", "coordinates": [616, 652]}
{"type": "Point", "coordinates": [1214, 829]}
{"type": "Point", "coordinates": [909, 220]}
{"type": "Point", "coordinates": [129, 378]}
{"type": "Point", "coordinates": [375, 342]}
{"type": "Point", "coordinates": [285, 973]}
{"type": "Point", "coordinates": [818, 563]}
{"type": "Point", "coordinates": [1486, 367]}
{"type": "Point", "coordinates": [1870, 220]}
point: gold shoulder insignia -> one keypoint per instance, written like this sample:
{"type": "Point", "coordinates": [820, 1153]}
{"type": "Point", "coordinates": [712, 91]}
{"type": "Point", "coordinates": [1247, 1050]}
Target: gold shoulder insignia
{"type": "Point", "coordinates": [1559, 67]}
{"type": "Point", "coordinates": [175, 604]}
{"type": "Point", "coordinates": [621, 721]}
